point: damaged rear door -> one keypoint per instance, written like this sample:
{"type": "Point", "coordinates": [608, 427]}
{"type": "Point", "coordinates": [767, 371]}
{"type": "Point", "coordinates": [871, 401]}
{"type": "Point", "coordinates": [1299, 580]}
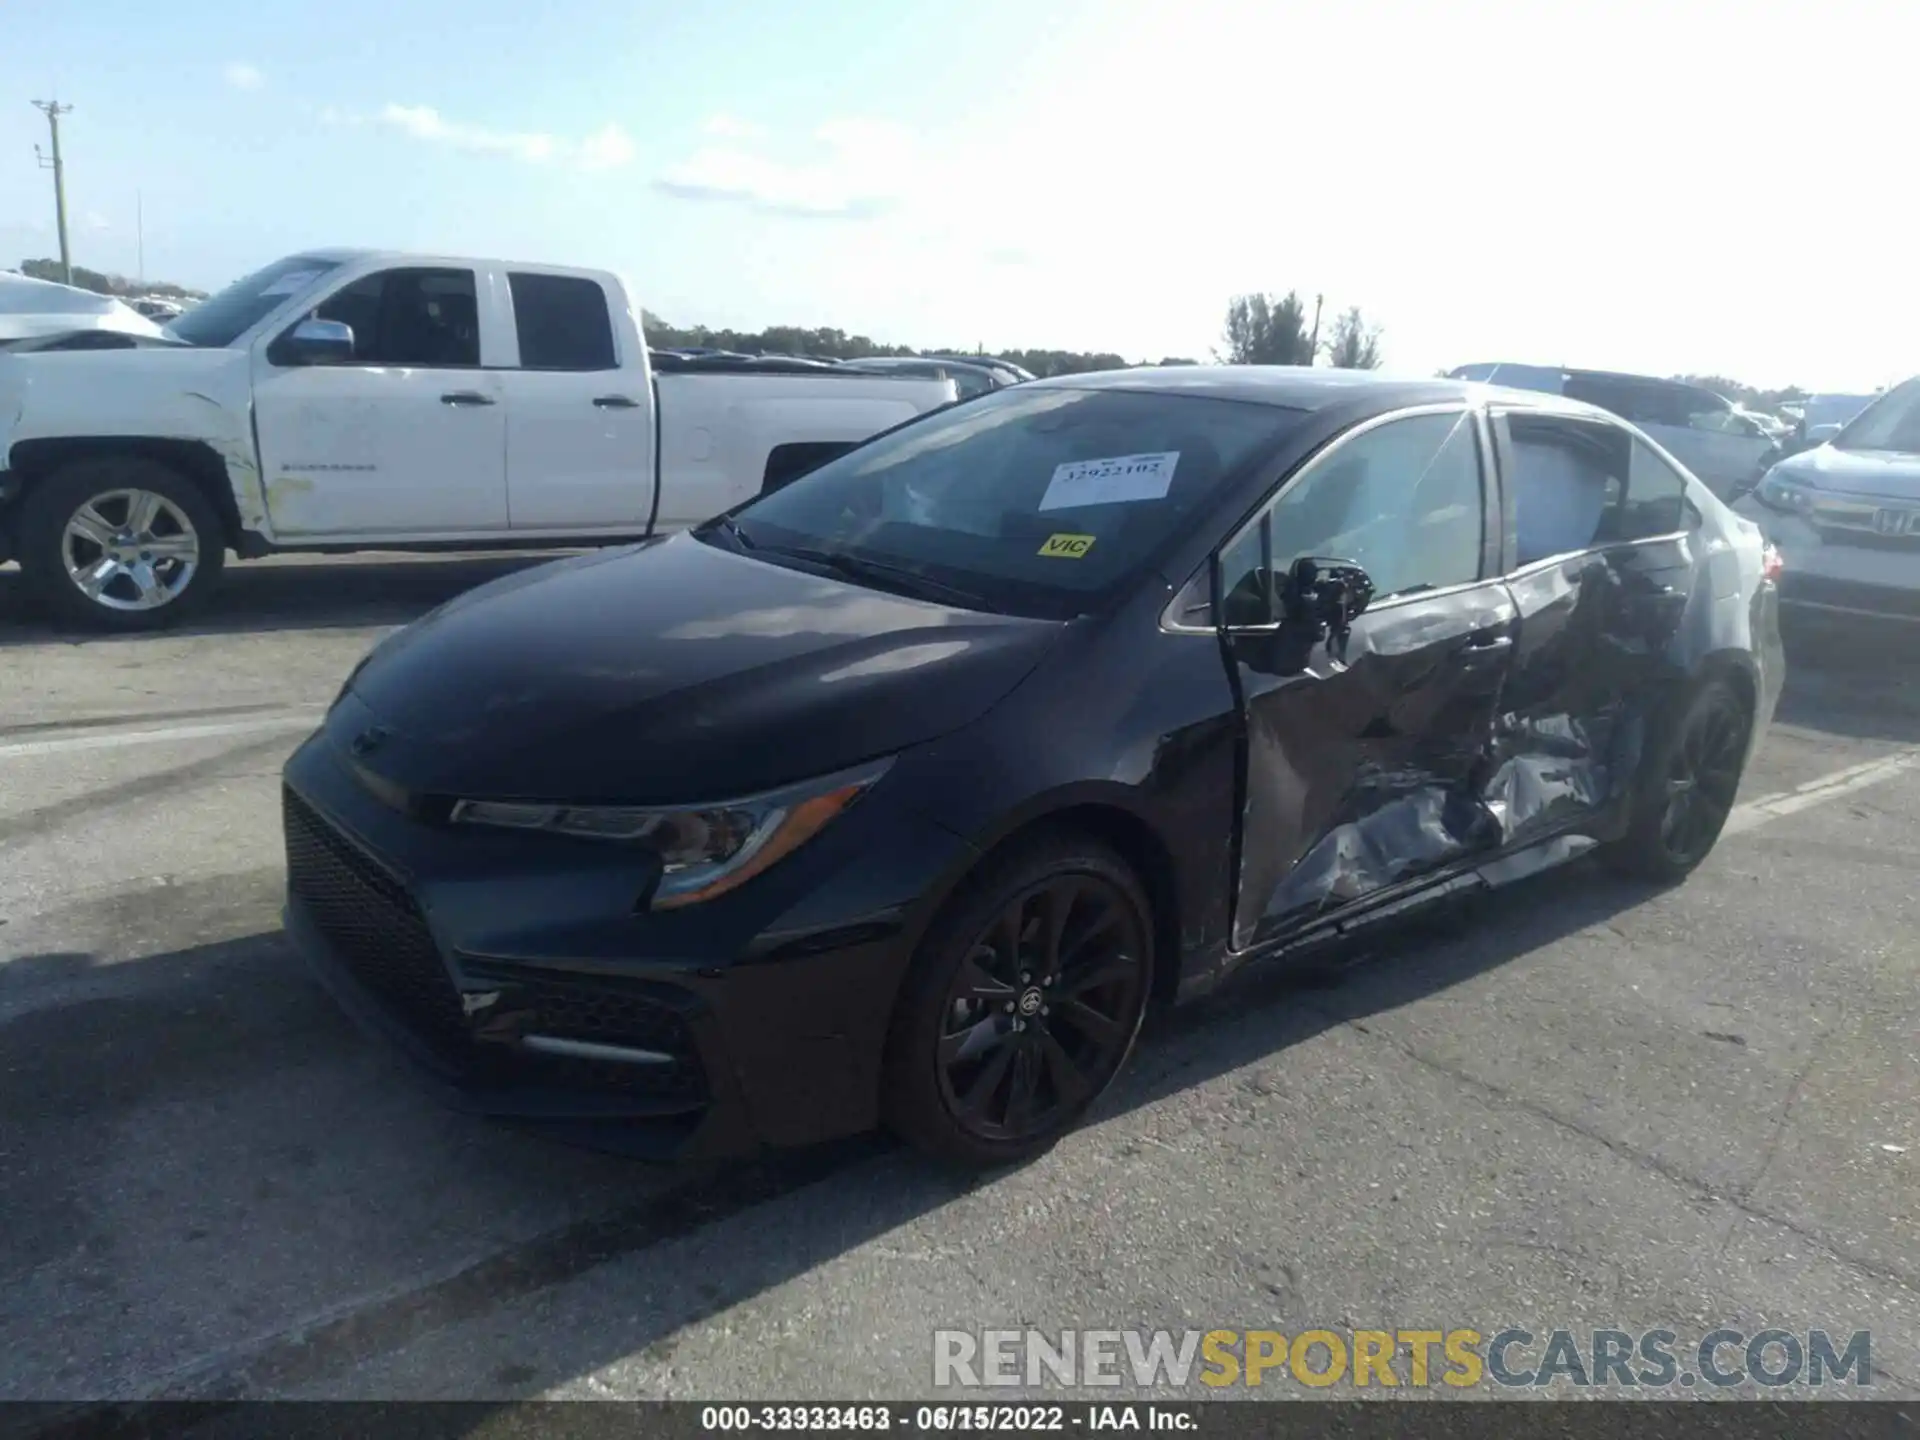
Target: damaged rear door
{"type": "Point", "coordinates": [1602, 561]}
{"type": "Point", "coordinates": [1363, 762]}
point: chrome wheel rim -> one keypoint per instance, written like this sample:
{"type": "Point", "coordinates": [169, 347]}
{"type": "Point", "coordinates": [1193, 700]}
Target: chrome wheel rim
{"type": "Point", "coordinates": [130, 550]}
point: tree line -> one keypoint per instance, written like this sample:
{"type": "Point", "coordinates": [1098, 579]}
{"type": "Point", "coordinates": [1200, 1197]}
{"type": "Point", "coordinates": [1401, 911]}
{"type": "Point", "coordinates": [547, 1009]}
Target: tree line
{"type": "Point", "coordinates": [1260, 329]}
{"type": "Point", "coordinates": [103, 283]}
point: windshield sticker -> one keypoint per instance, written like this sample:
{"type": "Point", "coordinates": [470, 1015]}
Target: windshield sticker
{"type": "Point", "coordinates": [1067, 547]}
{"type": "Point", "coordinates": [1119, 480]}
{"type": "Point", "coordinates": [291, 284]}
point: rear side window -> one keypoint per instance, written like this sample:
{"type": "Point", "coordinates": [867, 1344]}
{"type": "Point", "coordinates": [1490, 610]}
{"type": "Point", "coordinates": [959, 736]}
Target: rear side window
{"type": "Point", "coordinates": [562, 322]}
{"type": "Point", "coordinates": [1577, 484]}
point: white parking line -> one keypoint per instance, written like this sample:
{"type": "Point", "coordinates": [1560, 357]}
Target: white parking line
{"type": "Point", "coordinates": [1758, 811]}
{"type": "Point", "coordinates": [156, 735]}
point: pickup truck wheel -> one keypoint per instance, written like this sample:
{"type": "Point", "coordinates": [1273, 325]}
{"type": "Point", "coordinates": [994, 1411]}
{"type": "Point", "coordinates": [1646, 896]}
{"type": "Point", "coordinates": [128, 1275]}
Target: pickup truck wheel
{"type": "Point", "coordinates": [120, 543]}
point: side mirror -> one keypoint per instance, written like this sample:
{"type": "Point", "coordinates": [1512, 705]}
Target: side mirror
{"type": "Point", "coordinates": [1325, 595]}
{"type": "Point", "coordinates": [1820, 434]}
{"type": "Point", "coordinates": [314, 342]}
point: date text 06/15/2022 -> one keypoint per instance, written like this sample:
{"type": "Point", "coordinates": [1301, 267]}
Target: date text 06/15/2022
{"type": "Point", "coordinates": [943, 1419]}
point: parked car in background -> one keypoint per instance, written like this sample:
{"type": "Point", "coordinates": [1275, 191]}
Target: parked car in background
{"type": "Point", "coordinates": [357, 400]}
{"type": "Point", "coordinates": [46, 312]}
{"type": "Point", "coordinates": [1706, 432]}
{"type": "Point", "coordinates": [1015, 375]}
{"type": "Point", "coordinates": [1820, 419]}
{"type": "Point", "coordinates": [158, 309]}
{"type": "Point", "coordinates": [1845, 514]}
{"type": "Point", "coordinates": [969, 378]}
{"type": "Point", "coordinates": [1084, 694]}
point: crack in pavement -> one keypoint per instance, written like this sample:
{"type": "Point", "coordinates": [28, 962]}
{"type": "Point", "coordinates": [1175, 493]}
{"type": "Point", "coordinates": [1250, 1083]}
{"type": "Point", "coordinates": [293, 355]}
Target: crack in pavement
{"type": "Point", "coordinates": [1652, 1163]}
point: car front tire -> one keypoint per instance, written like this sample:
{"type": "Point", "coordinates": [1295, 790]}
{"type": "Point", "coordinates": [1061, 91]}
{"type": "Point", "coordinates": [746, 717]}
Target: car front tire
{"type": "Point", "coordinates": [1022, 1003]}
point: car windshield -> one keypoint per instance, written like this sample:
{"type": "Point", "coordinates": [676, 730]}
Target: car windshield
{"type": "Point", "coordinates": [1031, 501]}
{"type": "Point", "coordinates": [225, 317]}
{"type": "Point", "coordinates": [1890, 423]}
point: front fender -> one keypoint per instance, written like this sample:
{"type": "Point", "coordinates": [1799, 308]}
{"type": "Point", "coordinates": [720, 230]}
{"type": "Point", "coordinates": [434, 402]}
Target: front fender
{"type": "Point", "coordinates": [51, 400]}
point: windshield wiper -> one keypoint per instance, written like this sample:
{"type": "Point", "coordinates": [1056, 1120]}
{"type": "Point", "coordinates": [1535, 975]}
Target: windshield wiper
{"type": "Point", "coordinates": [882, 575]}
{"type": "Point", "coordinates": [730, 527]}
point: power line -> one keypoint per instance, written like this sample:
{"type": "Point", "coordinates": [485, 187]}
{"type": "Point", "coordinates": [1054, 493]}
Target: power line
{"type": "Point", "coordinates": [53, 110]}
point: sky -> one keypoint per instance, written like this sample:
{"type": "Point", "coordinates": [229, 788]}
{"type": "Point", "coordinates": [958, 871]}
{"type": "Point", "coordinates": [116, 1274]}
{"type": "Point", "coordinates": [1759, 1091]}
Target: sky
{"type": "Point", "coordinates": [1683, 186]}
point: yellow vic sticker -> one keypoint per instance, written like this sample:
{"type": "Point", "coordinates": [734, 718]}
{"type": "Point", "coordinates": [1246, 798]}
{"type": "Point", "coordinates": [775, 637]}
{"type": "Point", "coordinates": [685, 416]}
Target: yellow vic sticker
{"type": "Point", "coordinates": [1067, 547]}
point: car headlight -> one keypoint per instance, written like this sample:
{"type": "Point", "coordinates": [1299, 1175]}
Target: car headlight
{"type": "Point", "coordinates": [704, 850]}
{"type": "Point", "coordinates": [1789, 496]}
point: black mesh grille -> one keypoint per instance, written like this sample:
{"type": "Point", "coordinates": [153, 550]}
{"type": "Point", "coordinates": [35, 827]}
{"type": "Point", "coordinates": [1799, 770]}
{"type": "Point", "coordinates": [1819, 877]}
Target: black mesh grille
{"type": "Point", "coordinates": [375, 928]}
{"type": "Point", "coordinates": [608, 1016]}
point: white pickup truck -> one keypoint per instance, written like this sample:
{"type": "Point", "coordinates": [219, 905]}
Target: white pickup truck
{"type": "Point", "coordinates": [351, 400]}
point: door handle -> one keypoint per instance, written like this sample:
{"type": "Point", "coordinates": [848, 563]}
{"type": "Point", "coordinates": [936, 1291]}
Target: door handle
{"type": "Point", "coordinates": [615, 402]}
{"type": "Point", "coordinates": [465, 397]}
{"type": "Point", "coordinates": [1486, 650]}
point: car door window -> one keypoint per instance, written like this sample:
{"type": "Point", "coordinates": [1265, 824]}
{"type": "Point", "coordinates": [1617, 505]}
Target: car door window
{"type": "Point", "coordinates": [1656, 502]}
{"type": "Point", "coordinates": [1575, 484]}
{"type": "Point", "coordinates": [1401, 500]}
{"type": "Point", "coordinates": [561, 321]}
{"type": "Point", "coordinates": [427, 318]}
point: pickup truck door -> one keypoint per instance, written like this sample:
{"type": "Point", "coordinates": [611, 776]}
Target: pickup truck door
{"type": "Point", "coordinates": [579, 421]}
{"type": "Point", "coordinates": [407, 439]}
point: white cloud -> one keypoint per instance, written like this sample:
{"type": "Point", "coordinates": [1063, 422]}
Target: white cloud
{"type": "Point", "coordinates": [94, 220]}
{"type": "Point", "coordinates": [242, 76]}
{"type": "Point", "coordinates": [423, 122]}
{"type": "Point", "coordinates": [731, 127]}
{"type": "Point", "coordinates": [853, 170]}
{"type": "Point", "coordinates": [607, 148]}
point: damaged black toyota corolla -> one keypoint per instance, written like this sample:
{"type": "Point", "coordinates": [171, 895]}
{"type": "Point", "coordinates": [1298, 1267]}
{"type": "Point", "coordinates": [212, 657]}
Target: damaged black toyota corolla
{"type": "Point", "coordinates": [898, 794]}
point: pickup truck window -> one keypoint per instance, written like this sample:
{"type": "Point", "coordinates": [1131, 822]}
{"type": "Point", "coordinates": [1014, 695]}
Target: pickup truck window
{"type": "Point", "coordinates": [1038, 499]}
{"type": "Point", "coordinates": [222, 319]}
{"type": "Point", "coordinates": [562, 322]}
{"type": "Point", "coordinates": [421, 317]}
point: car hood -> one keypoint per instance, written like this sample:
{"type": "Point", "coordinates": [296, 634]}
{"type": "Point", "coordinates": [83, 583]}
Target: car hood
{"type": "Point", "coordinates": [670, 672]}
{"type": "Point", "coordinates": [1884, 474]}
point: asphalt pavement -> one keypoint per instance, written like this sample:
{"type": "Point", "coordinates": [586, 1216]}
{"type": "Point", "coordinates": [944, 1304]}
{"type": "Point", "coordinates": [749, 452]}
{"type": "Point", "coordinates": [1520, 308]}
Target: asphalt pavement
{"type": "Point", "coordinates": [1599, 1105]}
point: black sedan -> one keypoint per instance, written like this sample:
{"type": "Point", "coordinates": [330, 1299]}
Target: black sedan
{"type": "Point", "coordinates": [899, 794]}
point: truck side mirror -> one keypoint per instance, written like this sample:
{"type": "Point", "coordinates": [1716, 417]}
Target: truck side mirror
{"type": "Point", "coordinates": [314, 342]}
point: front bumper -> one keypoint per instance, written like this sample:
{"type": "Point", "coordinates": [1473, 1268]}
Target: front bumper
{"type": "Point", "coordinates": [515, 975]}
{"type": "Point", "coordinates": [1841, 576]}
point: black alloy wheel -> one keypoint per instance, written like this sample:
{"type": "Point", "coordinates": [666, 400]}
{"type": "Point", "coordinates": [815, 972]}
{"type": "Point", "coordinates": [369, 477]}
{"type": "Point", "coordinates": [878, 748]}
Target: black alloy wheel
{"type": "Point", "coordinates": [1690, 787]}
{"type": "Point", "coordinates": [1022, 1012]}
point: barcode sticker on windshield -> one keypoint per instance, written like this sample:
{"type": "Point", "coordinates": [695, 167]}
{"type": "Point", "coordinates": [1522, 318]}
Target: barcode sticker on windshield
{"type": "Point", "coordinates": [1120, 480]}
{"type": "Point", "coordinates": [291, 284]}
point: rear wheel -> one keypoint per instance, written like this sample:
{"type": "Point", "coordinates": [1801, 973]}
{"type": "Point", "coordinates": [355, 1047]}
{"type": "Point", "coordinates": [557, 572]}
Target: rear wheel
{"type": "Point", "coordinates": [1687, 787]}
{"type": "Point", "coordinates": [120, 543]}
{"type": "Point", "coordinates": [1022, 1005]}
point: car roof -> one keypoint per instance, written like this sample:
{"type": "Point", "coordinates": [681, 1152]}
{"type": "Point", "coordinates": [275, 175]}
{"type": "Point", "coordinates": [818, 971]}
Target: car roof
{"type": "Point", "coordinates": [1309, 388]}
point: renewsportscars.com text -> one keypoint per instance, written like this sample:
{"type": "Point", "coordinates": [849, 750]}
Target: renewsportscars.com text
{"type": "Point", "coordinates": [1514, 1357]}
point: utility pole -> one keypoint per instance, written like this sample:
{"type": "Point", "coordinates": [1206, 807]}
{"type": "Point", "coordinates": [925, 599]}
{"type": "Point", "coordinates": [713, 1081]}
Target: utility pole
{"type": "Point", "coordinates": [53, 110]}
{"type": "Point", "coordinates": [1313, 344]}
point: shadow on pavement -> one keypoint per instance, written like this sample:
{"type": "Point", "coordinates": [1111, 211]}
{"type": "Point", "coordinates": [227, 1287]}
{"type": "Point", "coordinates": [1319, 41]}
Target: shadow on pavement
{"type": "Point", "coordinates": [205, 1022]}
{"type": "Point", "coordinates": [1858, 679]}
{"type": "Point", "coordinates": [302, 592]}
